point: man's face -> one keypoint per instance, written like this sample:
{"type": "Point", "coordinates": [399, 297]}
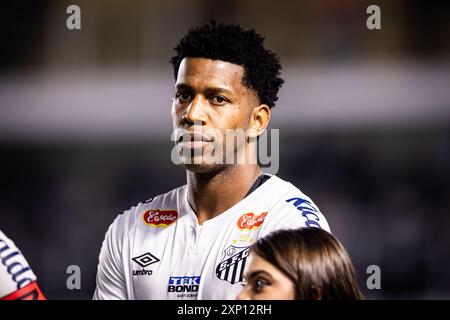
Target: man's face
{"type": "Point", "coordinates": [209, 98]}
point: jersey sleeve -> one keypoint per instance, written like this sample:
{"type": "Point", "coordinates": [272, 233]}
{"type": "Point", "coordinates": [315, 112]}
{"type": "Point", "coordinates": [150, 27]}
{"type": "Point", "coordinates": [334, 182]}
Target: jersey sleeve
{"type": "Point", "coordinates": [295, 210]}
{"type": "Point", "coordinates": [305, 213]}
{"type": "Point", "coordinates": [17, 280]}
{"type": "Point", "coordinates": [111, 284]}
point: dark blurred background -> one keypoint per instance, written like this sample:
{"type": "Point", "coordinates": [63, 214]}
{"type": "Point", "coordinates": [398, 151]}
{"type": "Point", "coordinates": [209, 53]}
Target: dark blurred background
{"type": "Point", "coordinates": [363, 117]}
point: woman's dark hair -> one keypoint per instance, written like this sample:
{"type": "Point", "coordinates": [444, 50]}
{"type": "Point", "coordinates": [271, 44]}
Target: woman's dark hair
{"type": "Point", "coordinates": [230, 43]}
{"type": "Point", "coordinates": [314, 260]}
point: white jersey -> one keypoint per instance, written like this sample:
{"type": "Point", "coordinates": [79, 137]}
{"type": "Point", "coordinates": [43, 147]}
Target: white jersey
{"type": "Point", "coordinates": [157, 250]}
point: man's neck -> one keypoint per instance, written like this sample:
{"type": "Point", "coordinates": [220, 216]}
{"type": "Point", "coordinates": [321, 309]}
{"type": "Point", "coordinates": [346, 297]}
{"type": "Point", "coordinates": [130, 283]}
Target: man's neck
{"type": "Point", "coordinates": [210, 194]}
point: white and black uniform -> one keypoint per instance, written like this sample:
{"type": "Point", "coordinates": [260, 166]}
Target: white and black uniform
{"type": "Point", "coordinates": [157, 250]}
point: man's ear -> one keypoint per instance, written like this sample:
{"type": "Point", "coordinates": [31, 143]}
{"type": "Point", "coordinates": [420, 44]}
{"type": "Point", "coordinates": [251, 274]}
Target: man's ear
{"type": "Point", "coordinates": [259, 120]}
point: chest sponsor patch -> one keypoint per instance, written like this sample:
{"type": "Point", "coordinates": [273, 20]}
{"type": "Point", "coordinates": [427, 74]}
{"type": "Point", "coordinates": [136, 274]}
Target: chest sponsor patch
{"type": "Point", "coordinates": [184, 286]}
{"type": "Point", "coordinates": [159, 218]}
{"type": "Point", "coordinates": [231, 268]}
{"type": "Point", "coordinates": [251, 221]}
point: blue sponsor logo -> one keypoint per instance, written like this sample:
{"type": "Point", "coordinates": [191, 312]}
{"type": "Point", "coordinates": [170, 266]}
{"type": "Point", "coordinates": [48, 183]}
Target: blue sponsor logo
{"type": "Point", "coordinates": [183, 284]}
{"type": "Point", "coordinates": [307, 211]}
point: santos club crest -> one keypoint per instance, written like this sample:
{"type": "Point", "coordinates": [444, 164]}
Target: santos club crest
{"type": "Point", "coordinates": [231, 268]}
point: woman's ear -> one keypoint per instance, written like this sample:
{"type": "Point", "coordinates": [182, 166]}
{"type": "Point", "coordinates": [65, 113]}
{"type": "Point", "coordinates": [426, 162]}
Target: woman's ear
{"type": "Point", "coordinates": [259, 120]}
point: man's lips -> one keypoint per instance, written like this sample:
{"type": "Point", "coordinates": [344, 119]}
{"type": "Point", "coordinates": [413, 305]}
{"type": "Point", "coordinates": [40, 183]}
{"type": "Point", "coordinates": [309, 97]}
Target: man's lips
{"type": "Point", "coordinates": [193, 140]}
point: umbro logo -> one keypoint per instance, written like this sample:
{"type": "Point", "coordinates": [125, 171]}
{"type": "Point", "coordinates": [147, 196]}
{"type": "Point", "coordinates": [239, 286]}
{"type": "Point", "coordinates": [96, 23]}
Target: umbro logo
{"type": "Point", "coordinates": [146, 259]}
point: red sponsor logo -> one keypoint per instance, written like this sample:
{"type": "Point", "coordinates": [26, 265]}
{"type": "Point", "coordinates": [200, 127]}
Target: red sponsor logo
{"type": "Point", "coordinates": [251, 221]}
{"type": "Point", "coordinates": [160, 218]}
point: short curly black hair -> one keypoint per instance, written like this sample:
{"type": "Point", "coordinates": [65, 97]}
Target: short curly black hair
{"type": "Point", "coordinates": [232, 44]}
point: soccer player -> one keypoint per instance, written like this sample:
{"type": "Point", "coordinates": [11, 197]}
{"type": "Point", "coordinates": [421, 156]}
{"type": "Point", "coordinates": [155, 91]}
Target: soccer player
{"type": "Point", "coordinates": [193, 242]}
{"type": "Point", "coordinates": [17, 280]}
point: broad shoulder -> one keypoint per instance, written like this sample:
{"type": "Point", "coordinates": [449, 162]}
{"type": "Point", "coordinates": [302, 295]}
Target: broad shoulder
{"type": "Point", "coordinates": [165, 204]}
{"type": "Point", "coordinates": [295, 208]}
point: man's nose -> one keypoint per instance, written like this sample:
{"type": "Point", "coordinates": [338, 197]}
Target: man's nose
{"type": "Point", "coordinates": [195, 112]}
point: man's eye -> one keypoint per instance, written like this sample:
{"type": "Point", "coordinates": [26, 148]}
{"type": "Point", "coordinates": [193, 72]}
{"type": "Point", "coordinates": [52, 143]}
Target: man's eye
{"type": "Point", "coordinates": [219, 100]}
{"type": "Point", "coordinates": [183, 96]}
